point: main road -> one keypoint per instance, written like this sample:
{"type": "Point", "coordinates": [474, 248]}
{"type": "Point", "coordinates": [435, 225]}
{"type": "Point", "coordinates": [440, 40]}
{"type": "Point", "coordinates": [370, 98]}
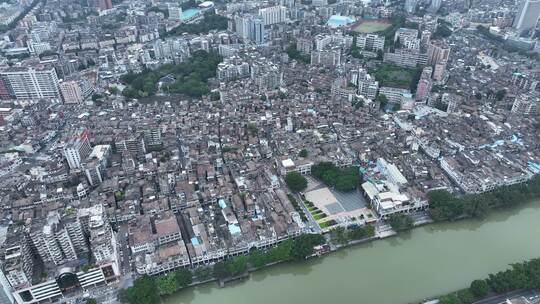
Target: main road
{"type": "Point", "coordinates": [426, 262]}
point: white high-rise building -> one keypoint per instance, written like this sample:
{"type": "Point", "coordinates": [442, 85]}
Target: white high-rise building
{"type": "Point", "coordinates": [410, 5]}
{"type": "Point", "coordinates": [52, 241]}
{"type": "Point", "coordinates": [526, 104]}
{"type": "Point", "coordinates": [77, 150]}
{"type": "Point", "coordinates": [242, 26]}
{"type": "Point", "coordinates": [435, 5]}
{"type": "Point", "coordinates": [370, 42]}
{"type": "Point", "coordinates": [101, 237]}
{"type": "Point", "coordinates": [31, 83]}
{"type": "Point", "coordinates": [273, 14]}
{"type": "Point", "coordinates": [175, 12]}
{"type": "Point", "coordinates": [527, 15]}
{"type": "Point", "coordinates": [256, 30]}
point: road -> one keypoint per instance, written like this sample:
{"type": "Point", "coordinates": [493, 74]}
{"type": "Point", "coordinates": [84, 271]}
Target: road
{"type": "Point", "coordinates": [312, 222]}
{"type": "Point", "coordinates": [126, 267]}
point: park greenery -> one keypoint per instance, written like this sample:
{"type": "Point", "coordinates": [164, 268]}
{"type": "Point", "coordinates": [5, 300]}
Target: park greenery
{"type": "Point", "coordinates": [295, 181]}
{"type": "Point", "coordinates": [190, 77]}
{"type": "Point", "coordinates": [525, 275]}
{"type": "Point", "coordinates": [445, 206]}
{"type": "Point", "coordinates": [397, 22]}
{"type": "Point", "coordinates": [210, 22]}
{"type": "Point", "coordinates": [400, 222]}
{"type": "Point", "coordinates": [393, 76]}
{"type": "Point", "coordinates": [344, 179]}
{"type": "Point", "coordinates": [296, 55]}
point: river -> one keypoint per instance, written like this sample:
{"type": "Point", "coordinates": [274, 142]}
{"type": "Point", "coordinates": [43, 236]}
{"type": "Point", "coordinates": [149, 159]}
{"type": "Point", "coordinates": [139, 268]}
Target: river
{"type": "Point", "coordinates": [425, 262]}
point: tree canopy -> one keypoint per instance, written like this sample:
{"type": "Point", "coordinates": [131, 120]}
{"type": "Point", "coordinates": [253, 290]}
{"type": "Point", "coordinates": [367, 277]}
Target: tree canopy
{"type": "Point", "coordinates": [190, 77]}
{"type": "Point", "coordinates": [345, 179]}
{"type": "Point", "coordinates": [400, 222]}
{"type": "Point", "coordinates": [143, 291]}
{"type": "Point", "coordinates": [295, 181]}
{"type": "Point", "coordinates": [445, 206]}
{"type": "Point", "coordinates": [525, 275]}
{"type": "Point", "coordinates": [210, 22]}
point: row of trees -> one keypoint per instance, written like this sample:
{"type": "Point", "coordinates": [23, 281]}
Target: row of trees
{"type": "Point", "coordinates": [400, 222]}
{"type": "Point", "coordinates": [345, 179]}
{"type": "Point", "coordinates": [295, 249]}
{"type": "Point", "coordinates": [147, 289]}
{"type": "Point", "coordinates": [190, 77]}
{"type": "Point", "coordinates": [524, 275]}
{"type": "Point", "coordinates": [445, 206]}
{"type": "Point", "coordinates": [341, 235]}
{"type": "Point", "coordinates": [210, 22]}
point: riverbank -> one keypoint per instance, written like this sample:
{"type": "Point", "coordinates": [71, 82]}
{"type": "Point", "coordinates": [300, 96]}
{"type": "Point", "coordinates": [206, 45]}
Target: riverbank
{"type": "Point", "coordinates": [440, 257]}
{"type": "Point", "coordinates": [302, 247]}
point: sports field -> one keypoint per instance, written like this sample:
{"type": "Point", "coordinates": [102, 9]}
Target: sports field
{"type": "Point", "coordinates": [371, 26]}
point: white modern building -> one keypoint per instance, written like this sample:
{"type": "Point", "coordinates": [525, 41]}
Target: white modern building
{"type": "Point", "coordinates": [273, 14]}
{"type": "Point", "coordinates": [528, 15]}
{"type": "Point", "coordinates": [77, 149]}
{"type": "Point", "coordinates": [31, 82]}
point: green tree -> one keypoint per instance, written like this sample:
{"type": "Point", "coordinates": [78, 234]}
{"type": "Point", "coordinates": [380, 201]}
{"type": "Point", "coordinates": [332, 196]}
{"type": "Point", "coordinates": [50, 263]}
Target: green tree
{"type": "Point", "coordinates": [303, 153]}
{"type": "Point", "coordinates": [143, 291]}
{"type": "Point", "coordinates": [252, 128]}
{"type": "Point", "coordinates": [359, 233]}
{"type": "Point", "coordinates": [238, 265]}
{"type": "Point", "coordinates": [400, 222]}
{"type": "Point", "coordinates": [91, 301]}
{"type": "Point", "coordinates": [295, 54]}
{"type": "Point", "coordinates": [210, 22]}
{"type": "Point", "coordinates": [114, 90]}
{"type": "Point", "coordinates": [339, 235]}
{"type": "Point", "coordinates": [500, 94]}
{"type": "Point", "coordinates": [465, 296]}
{"type": "Point", "coordinates": [221, 270]}
{"type": "Point", "coordinates": [183, 277]}
{"type": "Point", "coordinates": [258, 258]}
{"type": "Point", "coordinates": [382, 100]}
{"type": "Point", "coordinates": [203, 273]}
{"type": "Point", "coordinates": [167, 284]}
{"type": "Point", "coordinates": [295, 181]}
{"type": "Point", "coordinates": [303, 245]}
{"type": "Point", "coordinates": [479, 288]}
{"type": "Point", "coordinates": [346, 179]}
{"type": "Point", "coordinates": [449, 299]}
